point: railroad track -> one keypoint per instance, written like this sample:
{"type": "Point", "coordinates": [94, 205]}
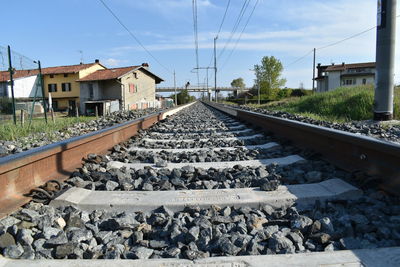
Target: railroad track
{"type": "Point", "coordinates": [202, 188]}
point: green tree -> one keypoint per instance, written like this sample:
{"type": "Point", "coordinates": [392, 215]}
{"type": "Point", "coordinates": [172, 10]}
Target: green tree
{"type": "Point", "coordinates": [268, 75]}
{"type": "Point", "coordinates": [183, 97]}
{"type": "Point", "coordinates": [238, 83]}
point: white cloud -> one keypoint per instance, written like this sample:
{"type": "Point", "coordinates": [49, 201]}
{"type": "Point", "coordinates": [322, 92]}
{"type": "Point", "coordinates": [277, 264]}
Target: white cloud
{"type": "Point", "coordinates": [113, 62]}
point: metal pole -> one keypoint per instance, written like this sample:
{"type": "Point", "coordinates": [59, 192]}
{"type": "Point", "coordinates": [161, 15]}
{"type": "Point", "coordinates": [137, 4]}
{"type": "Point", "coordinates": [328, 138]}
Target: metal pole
{"type": "Point", "coordinates": [259, 95]}
{"type": "Point", "coordinates": [207, 81]}
{"type": "Point", "coordinates": [385, 55]}
{"type": "Point", "coordinates": [215, 67]}
{"type": "Point", "coordinates": [12, 84]}
{"type": "Point", "coordinates": [176, 97]}
{"type": "Point", "coordinates": [313, 73]}
{"type": "Point", "coordinates": [42, 86]}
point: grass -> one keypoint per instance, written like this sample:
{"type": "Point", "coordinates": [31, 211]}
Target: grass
{"type": "Point", "coordinates": [341, 105]}
{"type": "Point", "coordinates": [11, 132]}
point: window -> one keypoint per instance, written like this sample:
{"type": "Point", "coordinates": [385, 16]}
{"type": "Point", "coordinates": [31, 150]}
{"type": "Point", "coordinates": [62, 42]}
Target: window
{"type": "Point", "coordinates": [91, 91]}
{"type": "Point", "coordinates": [349, 82]}
{"type": "Point", "coordinates": [364, 81]}
{"type": "Point", "coordinates": [52, 87]}
{"type": "Point", "coordinates": [135, 75]}
{"type": "Point", "coordinates": [66, 87]}
{"type": "Point", "coordinates": [65, 75]}
{"type": "Point", "coordinates": [132, 88]}
{"type": "Point", "coordinates": [51, 75]}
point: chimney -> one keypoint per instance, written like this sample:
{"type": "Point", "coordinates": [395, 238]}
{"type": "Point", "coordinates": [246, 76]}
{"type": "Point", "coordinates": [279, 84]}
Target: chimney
{"type": "Point", "coordinates": [145, 65]}
{"type": "Point", "coordinates": [342, 63]}
{"type": "Point", "coordinates": [96, 61]}
{"type": "Point", "coordinates": [319, 64]}
{"type": "Point", "coordinates": [333, 64]}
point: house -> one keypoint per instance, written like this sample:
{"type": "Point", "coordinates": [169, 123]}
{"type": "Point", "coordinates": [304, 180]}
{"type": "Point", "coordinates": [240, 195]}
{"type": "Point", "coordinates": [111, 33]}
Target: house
{"type": "Point", "coordinates": [62, 83]}
{"type": "Point", "coordinates": [133, 87]}
{"type": "Point", "coordinates": [330, 77]}
{"type": "Point", "coordinates": [26, 84]}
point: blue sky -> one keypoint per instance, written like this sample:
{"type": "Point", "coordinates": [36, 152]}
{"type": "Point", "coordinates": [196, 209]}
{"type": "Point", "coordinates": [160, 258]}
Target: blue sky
{"type": "Point", "coordinates": [55, 30]}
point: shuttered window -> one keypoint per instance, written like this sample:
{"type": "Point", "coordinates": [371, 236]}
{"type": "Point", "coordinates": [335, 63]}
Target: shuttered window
{"type": "Point", "coordinates": [132, 88]}
{"type": "Point", "coordinates": [66, 87]}
{"type": "Point", "coordinates": [52, 87]}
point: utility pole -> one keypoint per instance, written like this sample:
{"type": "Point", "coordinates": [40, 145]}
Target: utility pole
{"type": "Point", "coordinates": [176, 97]}
{"type": "Point", "coordinates": [215, 67]}
{"type": "Point", "coordinates": [385, 54]}
{"type": "Point", "coordinates": [12, 84]}
{"type": "Point", "coordinates": [258, 92]}
{"type": "Point", "coordinates": [313, 73]}
{"type": "Point", "coordinates": [42, 87]}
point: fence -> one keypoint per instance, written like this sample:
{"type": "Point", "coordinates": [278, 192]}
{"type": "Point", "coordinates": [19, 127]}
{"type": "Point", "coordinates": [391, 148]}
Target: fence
{"type": "Point", "coordinates": [21, 89]}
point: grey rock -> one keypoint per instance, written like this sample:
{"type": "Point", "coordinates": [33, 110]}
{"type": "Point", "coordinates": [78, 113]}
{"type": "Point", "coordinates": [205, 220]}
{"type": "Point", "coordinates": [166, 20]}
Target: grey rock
{"type": "Point", "coordinates": [13, 251]}
{"type": "Point", "coordinates": [111, 185]}
{"type": "Point", "coordinates": [142, 252]}
{"type": "Point", "coordinates": [24, 237]}
{"type": "Point", "coordinates": [9, 221]}
{"type": "Point", "coordinates": [60, 239]}
{"type": "Point", "coordinates": [49, 232]}
{"type": "Point", "coordinates": [6, 240]}
{"type": "Point", "coordinates": [65, 250]}
{"type": "Point", "coordinates": [301, 222]}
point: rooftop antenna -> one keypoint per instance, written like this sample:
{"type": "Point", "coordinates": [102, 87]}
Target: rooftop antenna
{"type": "Point", "coordinates": [81, 52]}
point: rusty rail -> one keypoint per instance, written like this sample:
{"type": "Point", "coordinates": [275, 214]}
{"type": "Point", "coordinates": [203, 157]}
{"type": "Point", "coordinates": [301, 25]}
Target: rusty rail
{"type": "Point", "coordinates": [19, 173]}
{"type": "Point", "coordinates": [346, 150]}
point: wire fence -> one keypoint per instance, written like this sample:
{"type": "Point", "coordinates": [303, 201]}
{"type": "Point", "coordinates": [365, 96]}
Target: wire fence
{"type": "Point", "coordinates": [21, 92]}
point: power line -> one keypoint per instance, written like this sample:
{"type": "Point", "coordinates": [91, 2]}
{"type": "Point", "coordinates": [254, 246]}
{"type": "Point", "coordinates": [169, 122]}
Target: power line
{"type": "Point", "coordinates": [220, 27]}
{"type": "Point", "coordinates": [196, 38]}
{"type": "Point", "coordinates": [236, 25]}
{"type": "Point", "coordinates": [223, 18]}
{"type": "Point", "coordinates": [240, 36]}
{"type": "Point", "coordinates": [300, 58]}
{"type": "Point", "coordinates": [335, 43]}
{"type": "Point", "coordinates": [133, 36]}
{"type": "Point", "coordinates": [345, 39]}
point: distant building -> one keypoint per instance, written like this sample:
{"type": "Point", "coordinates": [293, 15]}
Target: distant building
{"type": "Point", "coordinates": [62, 83]}
{"type": "Point", "coordinates": [330, 77]}
{"type": "Point", "coordinates": [134, 87]}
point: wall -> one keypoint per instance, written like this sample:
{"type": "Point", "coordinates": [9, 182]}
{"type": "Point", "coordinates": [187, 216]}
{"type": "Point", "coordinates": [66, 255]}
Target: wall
{"type": "Point", "coordinates": [24, 87]}
{"type": "Point", "coordinates": [359, 79]}
{"type": "Point", "coordinates": [333, 80]}
{"type": "Point", "coordinates": [146, 90]}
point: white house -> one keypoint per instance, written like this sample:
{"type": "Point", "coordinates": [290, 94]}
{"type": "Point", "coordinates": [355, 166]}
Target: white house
{"type": "Point", "coordinates": [25, 84]}
{"type": "Point", "coordinates": [330, 77]}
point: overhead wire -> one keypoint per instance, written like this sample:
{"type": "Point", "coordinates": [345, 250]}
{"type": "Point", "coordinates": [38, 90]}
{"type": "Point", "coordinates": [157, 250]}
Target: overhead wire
{"type": "Point", "coordinates": [240, 36]}
{"type": "Point", "coordinates": [335, 43]}
{"type": "Point", "coordinates": [236, 25]}
{"type": "Point", "coordinates": [220, 27]}
{"type": "Point", "coordinates": [134, 37]}
{"type": "Point", "coordinates": [196, 38]}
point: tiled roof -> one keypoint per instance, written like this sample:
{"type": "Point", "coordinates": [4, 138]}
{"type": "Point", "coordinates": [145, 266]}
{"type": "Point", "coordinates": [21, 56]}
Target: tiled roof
{"type": "Point", "coordinates": [5, 75]}
{"type": "Point", "coordinates": [350, 66]}
{"type": "Point", "coordinates": [107, 74]}
{"type": "Point", "coordinates": [67, 69]}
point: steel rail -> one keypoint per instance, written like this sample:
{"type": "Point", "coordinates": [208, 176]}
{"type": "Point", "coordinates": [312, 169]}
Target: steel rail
{"type": "Point", "coordinates": [351, 152]}
{"type": "Point", "coordinates": [19, 173]}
